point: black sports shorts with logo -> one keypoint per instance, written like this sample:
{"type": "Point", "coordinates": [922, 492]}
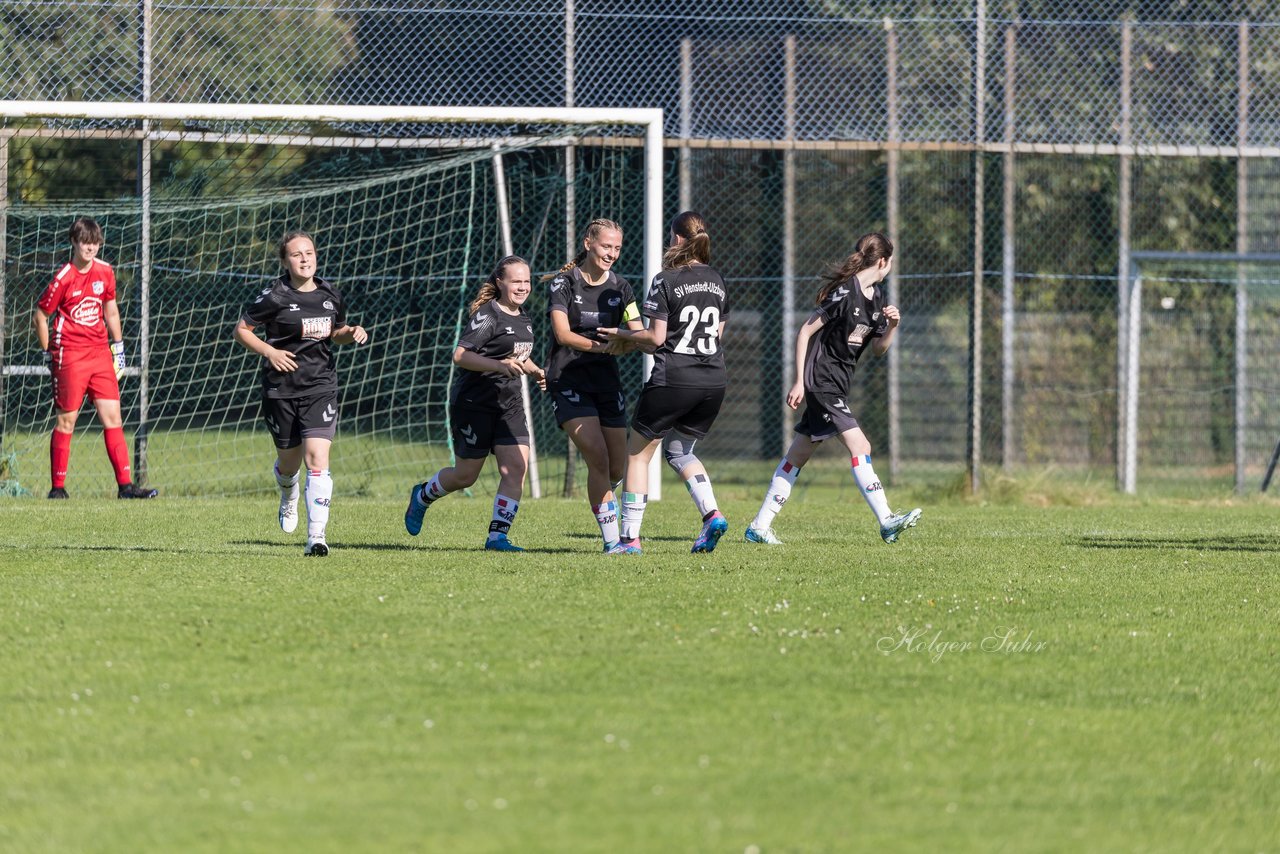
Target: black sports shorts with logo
{"type": "Point", "coordinates": [292, 419]}
{"type": "Point", "coordinates": [690, 411]}
{"type": "Point", "coordinates": [569, 403]}
{"type": "Point", "coordinates": [825, 415]}
{"type": "Point", "coordinates": [477, 431]}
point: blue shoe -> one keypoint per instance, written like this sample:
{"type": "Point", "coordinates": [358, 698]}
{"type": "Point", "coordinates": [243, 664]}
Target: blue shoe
{"type": "Point", "coordinates": [624, 547]}
{"type": "Point", "coordinates": [766, 537]}
{"type": "Point", "coordinates": [898, 523]}
{"type": "Point", "coordinates": [500, 543]}
{"type": "Point", "coordinates": [712, 531]}
{"type": "Point", "coordinates": [415, 511]}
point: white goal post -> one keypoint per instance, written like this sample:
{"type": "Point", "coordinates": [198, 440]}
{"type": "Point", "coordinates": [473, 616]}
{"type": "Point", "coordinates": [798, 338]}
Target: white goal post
{"type": "Point", "coordinates": [150, 119]}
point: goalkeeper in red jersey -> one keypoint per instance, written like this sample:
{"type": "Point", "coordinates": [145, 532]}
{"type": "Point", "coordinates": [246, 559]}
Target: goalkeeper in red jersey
{"type": "Point", "coordinates": [81, 303]}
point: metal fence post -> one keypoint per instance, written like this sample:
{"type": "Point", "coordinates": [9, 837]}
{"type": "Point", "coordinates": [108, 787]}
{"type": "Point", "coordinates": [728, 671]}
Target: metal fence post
{"type": "Point", "coordinates": [1124, 452]}
{"type": "Point", "coordinates": [894, 216]}
{"type": "Point", "coordinates": [1009, 315]}
{"type": "Point", "coordinates": [1242, 246]}
{"type": "Point", "coordinates": [975, 325]}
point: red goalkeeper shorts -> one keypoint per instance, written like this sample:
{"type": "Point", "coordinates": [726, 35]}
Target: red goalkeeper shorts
{"type": "Point", "coordinates": [80, 372]}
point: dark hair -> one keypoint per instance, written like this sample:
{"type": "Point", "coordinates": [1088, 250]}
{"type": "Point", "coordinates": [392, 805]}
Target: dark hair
{"type": "Point", "coordinates": [871, 250]}
{"type": "Point", "coordinates": [289, 237]}
{"type": "Point", "coordinates": [85, 230]}
{"type": "Point", "coordinates": [696, 247]}
{"type": "Point", "coordinates": [489, 288]}
{"type": "Point", "coordinates": [593, 231]}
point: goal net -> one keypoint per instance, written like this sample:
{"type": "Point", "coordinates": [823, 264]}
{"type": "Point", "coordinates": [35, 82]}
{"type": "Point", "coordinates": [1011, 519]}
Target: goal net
{"type": "Point", "coordinates": [410, 209]}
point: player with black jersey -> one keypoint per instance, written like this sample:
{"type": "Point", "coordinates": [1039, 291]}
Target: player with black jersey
{"type": "Point", "coordinates": [582, 373]}
{"type": "Point", "coordinates": [851, 316]}
{"type": "Point", "coordinates": [304, 316]}
{"type": "Point", "coordinates": [486, 412]}
{"type": "Point", "coordinates": [686, 306]}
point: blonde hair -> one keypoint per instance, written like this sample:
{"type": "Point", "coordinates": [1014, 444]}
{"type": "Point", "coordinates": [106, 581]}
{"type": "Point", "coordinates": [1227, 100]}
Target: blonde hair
{"type": "Point", "coordinates": [593, 231]}
{"type": "Point", "coordinates": [489, 288]}
{"type": "Point", "coordinates": [870, 250]}
{"type": "Point", "coordinates": [696, 246]}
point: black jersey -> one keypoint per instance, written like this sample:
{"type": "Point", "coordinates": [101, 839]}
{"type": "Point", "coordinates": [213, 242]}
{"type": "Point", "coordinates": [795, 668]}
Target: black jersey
{"type": "Point", "coordinates": [494, 334]}
{"type": "Point", "coordinates": [589, 307]}
{"type": "Point", "coordinates": [301, 322]}
{"type": "Point", "coordinates": [850, 321]}
{"type": "Point", "coordinates": [693, 302]}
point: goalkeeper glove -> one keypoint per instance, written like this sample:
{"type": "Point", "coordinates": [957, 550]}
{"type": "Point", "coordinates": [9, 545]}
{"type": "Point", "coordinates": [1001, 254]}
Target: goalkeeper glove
{"type": "Point", "coordinates": [117, 355]}
{"type": "Point", "coordinates": [47, 358]}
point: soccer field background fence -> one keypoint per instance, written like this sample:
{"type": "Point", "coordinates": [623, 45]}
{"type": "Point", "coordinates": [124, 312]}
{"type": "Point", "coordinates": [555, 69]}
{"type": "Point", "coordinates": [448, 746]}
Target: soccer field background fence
{"type": "Point", "coordinates": [1022, 152]}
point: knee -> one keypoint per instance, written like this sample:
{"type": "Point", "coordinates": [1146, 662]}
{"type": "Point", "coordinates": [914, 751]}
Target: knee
{"type": "Point", "coordinates": [679, 453]}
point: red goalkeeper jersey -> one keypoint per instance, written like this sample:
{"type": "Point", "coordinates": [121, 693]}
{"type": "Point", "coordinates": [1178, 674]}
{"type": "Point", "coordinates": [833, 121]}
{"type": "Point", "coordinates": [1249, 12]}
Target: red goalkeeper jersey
{"type": "Point", "coordinates": [74, 301]}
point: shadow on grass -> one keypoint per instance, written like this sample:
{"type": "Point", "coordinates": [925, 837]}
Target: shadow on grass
{"type": "Point", "coordinates": [393, 547]}
{"type": "Point", "coordinates": [1245, 543]}
{"type": "Point", "coordinates": [643, 538]}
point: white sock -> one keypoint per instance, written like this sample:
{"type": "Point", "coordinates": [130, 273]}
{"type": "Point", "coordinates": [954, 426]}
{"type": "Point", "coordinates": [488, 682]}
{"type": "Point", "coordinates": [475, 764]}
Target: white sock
{"type": "Point", "coordinates": [319, 493]}
{"type": "Point", "coordinates": [784, 477]}
{"type": "Point", "coordinates": [704, 498]}
{"type": "Point", "coordinates": [432, 490]}
{"type": "Point", "coordinates": [289, 484]}
{"type": "Point", "coordinates": [633, 505]}
{"type": "Point", "coordinates": [607, 517]}
{"type": "Point", "coordinates": [869, 483]}
{"type": "Point", "coordinates": [504, 513]}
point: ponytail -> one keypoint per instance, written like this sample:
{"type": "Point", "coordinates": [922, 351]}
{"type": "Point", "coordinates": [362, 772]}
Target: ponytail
{"type": "Point", "coordinates": [695, 248]}
{"type": "Point", "coordinates": [870, 250]}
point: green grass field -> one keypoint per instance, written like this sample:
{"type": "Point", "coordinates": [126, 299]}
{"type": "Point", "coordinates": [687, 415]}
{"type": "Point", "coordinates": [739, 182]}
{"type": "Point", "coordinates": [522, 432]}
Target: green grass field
{"type": "Point", "coordinates": [1101, 677]}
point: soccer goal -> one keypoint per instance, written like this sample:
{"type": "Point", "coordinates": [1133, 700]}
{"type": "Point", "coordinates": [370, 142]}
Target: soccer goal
{"type": "Point", "coordinates": [1191, 324]}
{"type": "Point", "coordinates": [410, 208]}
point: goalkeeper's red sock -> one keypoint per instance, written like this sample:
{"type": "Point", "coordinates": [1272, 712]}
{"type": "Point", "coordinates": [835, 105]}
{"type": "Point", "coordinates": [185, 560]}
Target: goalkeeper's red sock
{"type": "Point", "coordinates": [59, 457]}
{"type": "Point", "coordinates": [118, 452]}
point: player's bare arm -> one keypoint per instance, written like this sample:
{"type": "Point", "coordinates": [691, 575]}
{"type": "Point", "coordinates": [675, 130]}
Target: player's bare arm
{"type": "Point", "coordinates": [281, 360]}
{"type": "Point", "coordinates": [566, 337]}
{"type": "Point", "coordinates": [40, 321]}
{"type": "Point", "coordinates": [811, 326]}
{"type": "Point", "coordinates": [472, 361]}
{"type": "Point", "coordinates": [880, 346]}
{"type": "Point", "coordinates": [350, 335]}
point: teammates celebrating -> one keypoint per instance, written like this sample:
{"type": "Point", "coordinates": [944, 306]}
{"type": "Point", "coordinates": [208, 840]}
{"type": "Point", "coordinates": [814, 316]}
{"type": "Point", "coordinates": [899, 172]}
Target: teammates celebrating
{"type": "Point", "coordinates": [593, 317]}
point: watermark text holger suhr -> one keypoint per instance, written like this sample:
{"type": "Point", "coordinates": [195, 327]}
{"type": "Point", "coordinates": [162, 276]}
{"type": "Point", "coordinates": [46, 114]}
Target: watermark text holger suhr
{"type": "Point", "coordinates": [931, 642]}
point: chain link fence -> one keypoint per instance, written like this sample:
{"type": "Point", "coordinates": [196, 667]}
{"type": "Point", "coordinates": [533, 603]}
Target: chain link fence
{"type": "Point", "coordinates": [1040, 144]}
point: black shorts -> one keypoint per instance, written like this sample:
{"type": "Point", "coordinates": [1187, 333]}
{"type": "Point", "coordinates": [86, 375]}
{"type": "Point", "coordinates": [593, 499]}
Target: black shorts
{"type": "Point", "coordinates": [690, 411]}
{"type": "Point", "coordinates": [477, 431]}
{"type": "Point", "coordinates": [292, 419]}
{"type": "Point", "coordinates": [569, 403]}
{"type": "Point", "coordinates": [825, 415]}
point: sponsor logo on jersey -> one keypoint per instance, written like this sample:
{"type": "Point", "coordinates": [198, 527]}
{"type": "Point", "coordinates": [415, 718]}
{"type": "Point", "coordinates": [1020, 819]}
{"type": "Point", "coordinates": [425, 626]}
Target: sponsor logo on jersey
{"type": "Point", "coordinates": [858, 335]}
{"type": "Point", "coordinates": [317, 328]}
{"type": "Point", "coordinates": [98, 288]}
{"type": "Point", "coordinates": [478, 322]}
{"type": "Point", "coordinates": [88, 312]}
{"type": "Point", "coordinates": [839, 294]}
{"type": "Point", "coordinates": [651, 305]}
{"type": "Point", "coordinates": [557, 285]}
{"type": "Point", "coordinates": [328, 304]}
{"type": "Point", "coordinates": [614, 302]}
{"type": "Point", "coordinates": [293, 306]}
{"type": "Point", "coordinates": [875, 315]}
{"type": "Point", "coordinates": [857, 311]}
{"type": "Point", "coordinates": [509, 331]}
{"type": "Point", "coordinates": [522, 350]}
{"type": "Point", "coordinates": [577, 299]}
